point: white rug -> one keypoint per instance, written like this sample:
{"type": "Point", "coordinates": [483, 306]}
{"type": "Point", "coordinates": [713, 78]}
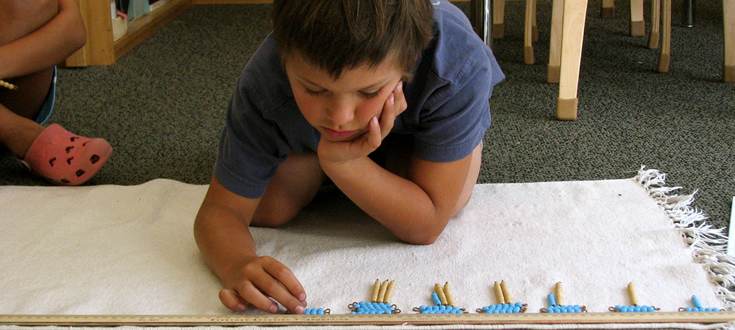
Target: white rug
{"type": "Point", "coordinates": [129, 250]}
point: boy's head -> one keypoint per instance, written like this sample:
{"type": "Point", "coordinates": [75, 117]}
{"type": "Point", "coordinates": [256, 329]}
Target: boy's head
{"type": "Point", "coordinates": [334, 35]}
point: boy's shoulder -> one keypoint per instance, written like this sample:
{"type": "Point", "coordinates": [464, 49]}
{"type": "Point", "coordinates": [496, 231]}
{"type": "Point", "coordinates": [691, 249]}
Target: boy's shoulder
{"type": "Point", "coordinates": [456, 48]}
{"type": "Point", "coordinates": [263, 80]}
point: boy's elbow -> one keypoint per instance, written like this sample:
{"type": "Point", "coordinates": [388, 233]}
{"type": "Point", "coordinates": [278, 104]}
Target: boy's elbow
{"type": "Point", "coordinates": [425, 240]}
{"type": "Point", "coordinates": [427, 232]}
{"type": "Point", "coordinates": [424, 237]}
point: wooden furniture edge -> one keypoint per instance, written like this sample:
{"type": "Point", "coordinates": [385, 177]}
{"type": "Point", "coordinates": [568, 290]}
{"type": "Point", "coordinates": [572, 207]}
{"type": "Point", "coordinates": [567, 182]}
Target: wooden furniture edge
{"type": "Point", "coordinates": [144, 27]}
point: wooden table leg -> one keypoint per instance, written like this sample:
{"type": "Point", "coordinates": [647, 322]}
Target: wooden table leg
{"type": "Point", "coordinates": [528, 57]}
{"type": "Point", "coordinates": [571, 56]}
{"type": "Point", "coordinates": [637, 22]}
{"type": "Point", "coordinates": [728, 68]}
{"type": "Point", "coordinates": [664, 56]}
{"type": "Point", "coordinates": [554, 67]}
{"type": "Point", "coordinates": [498, 19]}
{"type": "Point", "coordinates": [608, 8]}
{"type": "Point", "coordinates": [653, 38]}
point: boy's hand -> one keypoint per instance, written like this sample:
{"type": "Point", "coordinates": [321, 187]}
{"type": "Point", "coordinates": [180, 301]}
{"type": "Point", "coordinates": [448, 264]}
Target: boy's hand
{"type": "Point", "coordinates": [378, 129]}
{"type": "Point", "coordinates": [260, 278]}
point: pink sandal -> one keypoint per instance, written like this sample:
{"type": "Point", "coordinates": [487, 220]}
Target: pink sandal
{"type": "Point", "coordinates": [65, 158]}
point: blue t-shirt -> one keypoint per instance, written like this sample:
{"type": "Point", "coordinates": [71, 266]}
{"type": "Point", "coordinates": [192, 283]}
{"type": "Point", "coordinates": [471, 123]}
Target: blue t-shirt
{"type": "Point", "coordinates": [448, 107]}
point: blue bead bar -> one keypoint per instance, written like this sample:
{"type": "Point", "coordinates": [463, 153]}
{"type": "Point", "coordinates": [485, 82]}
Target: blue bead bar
{"type": "Point", "coordinates": [373, 308]}
{"type": "Point", "coordinates": [503, 308]}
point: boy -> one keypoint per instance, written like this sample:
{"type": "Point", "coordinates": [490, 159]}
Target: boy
{"type": "Point", "coordinates": [35, 36]}
{"type": "Point", "coordinates": [316, 102]}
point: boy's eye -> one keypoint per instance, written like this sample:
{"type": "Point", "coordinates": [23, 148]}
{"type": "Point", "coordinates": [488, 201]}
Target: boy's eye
{"type": "Point", "coordinates": [311, 92]}
{"type": "Point", "coordinates": [370, 95]}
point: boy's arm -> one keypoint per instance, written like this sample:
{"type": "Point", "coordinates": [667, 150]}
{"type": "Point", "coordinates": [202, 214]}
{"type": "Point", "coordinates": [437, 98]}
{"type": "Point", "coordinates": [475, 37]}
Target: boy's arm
{"type": "Point", "coordinates": [416, 209]}
{"type": "Point", "coordinates": [47, 46]}
{"type": "Point", "coordinates": [222, 233]}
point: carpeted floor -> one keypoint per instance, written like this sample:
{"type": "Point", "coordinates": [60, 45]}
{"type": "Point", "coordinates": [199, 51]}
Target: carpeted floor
{"type": "Point", "coordinates": [162, 105]}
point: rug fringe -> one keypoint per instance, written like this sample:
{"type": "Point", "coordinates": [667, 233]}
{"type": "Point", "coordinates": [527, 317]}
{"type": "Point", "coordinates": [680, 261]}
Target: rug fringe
{"type": "Point", "coordinates": [708, 243]}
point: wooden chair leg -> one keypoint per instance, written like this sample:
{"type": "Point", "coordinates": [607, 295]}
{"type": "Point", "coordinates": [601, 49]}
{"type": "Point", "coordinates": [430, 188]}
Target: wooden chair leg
{"type": "Point", "coordinates": [528, 57]}
{"type": "Point", "coordinates": [571, 57]}
{"type": "Point", "coordinates": [665, 55]}
{"type": "Point", "coordinates": [728, 67]}
{"type": "Point", "coordinates": [637, 22]}
{"type": "Point", "coordinates": [498, 19]}
{"type": "Point", "coordinates": [653, 38]}
{"type": "Point", "coordinates": [608, 8]}
{"type": "Point", "coordinates": [534, 31]}
{"type": "Point", "coordinates": [554, 67]}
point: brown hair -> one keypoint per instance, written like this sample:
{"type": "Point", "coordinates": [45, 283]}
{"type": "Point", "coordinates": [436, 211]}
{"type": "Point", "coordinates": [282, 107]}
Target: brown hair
{"type": "Point", "coordinates": [337, 34]}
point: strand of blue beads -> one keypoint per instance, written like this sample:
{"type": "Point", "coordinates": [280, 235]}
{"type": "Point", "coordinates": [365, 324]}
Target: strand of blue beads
{"type": "Point", "coordinates": [702, 309]}
{"type": "Point", "coordinates": [503, 308]}
{"type": "Point", "coordinates": [634, 309]}
{"type": "Point", "coordinates": [698, 307]}
{"type": "Point", "coordinates": [314, 311]}
{"type": "Point", "coordinates": [440, 309]}
{"type": "Point", "coordinates": [565, 309]}
{"type": "Point", "coordinates": [372, 308]}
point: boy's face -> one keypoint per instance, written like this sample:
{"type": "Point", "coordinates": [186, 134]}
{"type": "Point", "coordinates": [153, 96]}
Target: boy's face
{"type": "Point", "coordinates": [341, 109]}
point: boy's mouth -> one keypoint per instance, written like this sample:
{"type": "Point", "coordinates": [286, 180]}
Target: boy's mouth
{"type": "Point", "coordinates": [338, 136]}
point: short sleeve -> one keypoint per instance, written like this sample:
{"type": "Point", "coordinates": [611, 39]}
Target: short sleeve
{"type": "Point", "coordinates": [248, 153]}
{"type": "Point", "coordinates": [457, 114]}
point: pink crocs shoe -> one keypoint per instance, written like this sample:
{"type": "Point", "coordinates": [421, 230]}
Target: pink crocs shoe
{"type": "Point", "coordinates": [65, 158]}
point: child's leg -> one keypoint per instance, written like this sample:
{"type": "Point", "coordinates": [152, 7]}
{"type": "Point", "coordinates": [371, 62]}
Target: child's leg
{"type": "Point", "coordinates": [17, 132]}
{"type": "Point", "coordinates": [295, 184]}
{"type": "Point", "coordinates": [54, 153]}
{"type": "Point", "coordinates": [20, 108]}
{"type": "Point", "coordinates": [31, 94]}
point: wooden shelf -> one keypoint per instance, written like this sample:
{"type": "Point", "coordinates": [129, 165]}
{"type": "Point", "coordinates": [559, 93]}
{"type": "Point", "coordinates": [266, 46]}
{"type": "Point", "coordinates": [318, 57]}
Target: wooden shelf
{"type": "Point", "coordinates": [100, 48]}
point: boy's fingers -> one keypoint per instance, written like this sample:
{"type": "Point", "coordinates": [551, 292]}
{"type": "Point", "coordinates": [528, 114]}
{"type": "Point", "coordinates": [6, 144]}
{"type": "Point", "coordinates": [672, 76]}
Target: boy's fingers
{"type": "Point", "coordinates": [232, 300]}
{"type": "Point", "coordinates": [375, 134]}
{"type": "Point", "coordinates": [288, 280]}
{"type": "Point", "coordinates": [400, 99]}
{"type": "Point", "coordinates": [256, 298]}
{"type": "Point", "coordinates": [388, 116]}
{"type": "Point", "coordinates": [393, 106]}
{"type": "Point", "coordinates": [292, 294]}
{"type": "Point", "coordinates": [278, 292]}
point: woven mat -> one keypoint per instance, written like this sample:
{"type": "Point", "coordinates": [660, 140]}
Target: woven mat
{"type": "Point", "coordinates": [129, 250]}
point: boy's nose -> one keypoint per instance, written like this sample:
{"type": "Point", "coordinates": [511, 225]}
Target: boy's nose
{"type": "Point", "coordinates": [340, 111]}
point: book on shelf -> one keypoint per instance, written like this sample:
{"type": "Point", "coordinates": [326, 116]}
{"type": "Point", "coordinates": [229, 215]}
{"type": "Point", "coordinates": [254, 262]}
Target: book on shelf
{"type": "Point", "coordinates": [137, 8]}
{"type": "Point", "coordinates": [113, 9]}
{"type": "Point", "coordinates": [122, 5]}
{"type": "Point", "coordinates": [155, 4]}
